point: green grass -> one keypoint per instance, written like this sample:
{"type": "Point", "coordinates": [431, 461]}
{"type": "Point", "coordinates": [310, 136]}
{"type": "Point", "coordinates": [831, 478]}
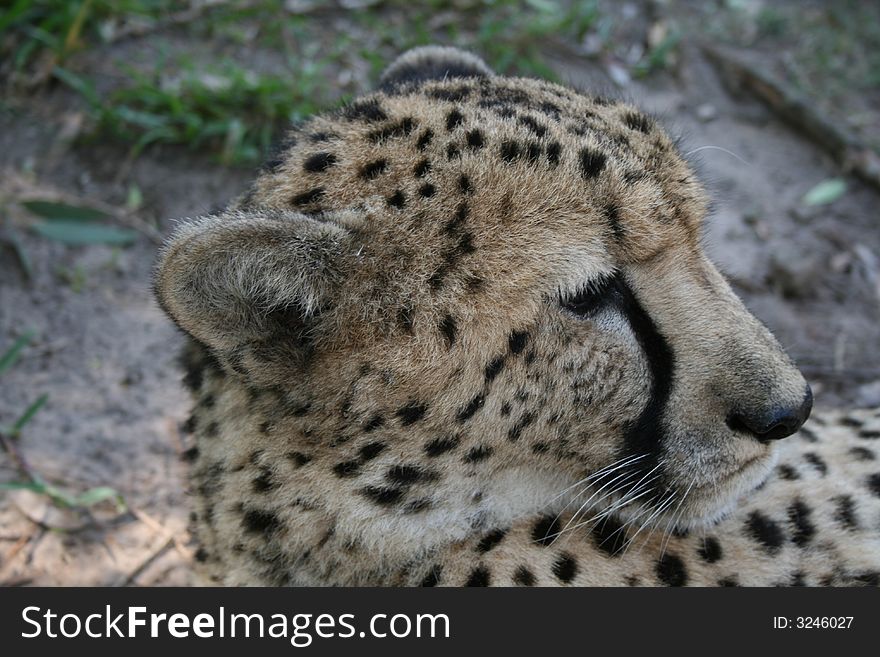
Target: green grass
{"type": "Point", "coordinates": [234, 112]}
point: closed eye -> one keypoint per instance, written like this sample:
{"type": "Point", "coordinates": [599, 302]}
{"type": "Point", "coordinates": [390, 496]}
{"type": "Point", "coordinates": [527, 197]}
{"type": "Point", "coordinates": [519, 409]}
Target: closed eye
{"type": "Point", "coordinates": [592, 297]}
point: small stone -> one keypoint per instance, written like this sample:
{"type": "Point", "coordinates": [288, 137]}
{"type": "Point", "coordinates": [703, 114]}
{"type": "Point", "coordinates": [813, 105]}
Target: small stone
{"type": "Point", "coordinates": [707, 112]}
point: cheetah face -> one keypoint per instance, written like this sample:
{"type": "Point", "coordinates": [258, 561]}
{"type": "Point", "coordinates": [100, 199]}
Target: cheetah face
{"type": "Point", "coordinates": [485, 291]}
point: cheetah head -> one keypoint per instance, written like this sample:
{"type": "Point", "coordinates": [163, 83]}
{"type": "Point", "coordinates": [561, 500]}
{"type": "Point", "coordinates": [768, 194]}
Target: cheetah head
{"type": "Point", "coordinates": [481, 296]}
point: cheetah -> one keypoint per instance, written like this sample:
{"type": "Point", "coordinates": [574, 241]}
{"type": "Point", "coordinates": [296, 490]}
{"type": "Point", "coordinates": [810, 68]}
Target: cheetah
{"type": "Point", "coordinates": [461, 331]}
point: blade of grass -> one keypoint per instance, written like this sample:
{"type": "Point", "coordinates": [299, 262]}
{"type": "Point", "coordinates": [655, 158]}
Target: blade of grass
{"type": "Point", "coordinates": [30, 411]}
{"type": "Point", "coordinates": [11, 355]}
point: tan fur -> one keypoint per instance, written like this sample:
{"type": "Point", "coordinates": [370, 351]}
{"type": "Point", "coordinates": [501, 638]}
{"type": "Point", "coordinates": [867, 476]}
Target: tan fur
{"type": "Point", "coordinates": [385, 376]}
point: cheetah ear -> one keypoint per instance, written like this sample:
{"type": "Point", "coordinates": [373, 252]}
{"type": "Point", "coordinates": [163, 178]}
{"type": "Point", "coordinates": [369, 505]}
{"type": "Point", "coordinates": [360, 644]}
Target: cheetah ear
{"type": "Point", "coordinates": [248, 283]}
{"type": "Point", "coordinates": [433, 63]}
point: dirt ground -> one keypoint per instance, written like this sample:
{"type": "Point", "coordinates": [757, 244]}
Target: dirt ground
{"type": "Point", "coordinates": [105, 354]}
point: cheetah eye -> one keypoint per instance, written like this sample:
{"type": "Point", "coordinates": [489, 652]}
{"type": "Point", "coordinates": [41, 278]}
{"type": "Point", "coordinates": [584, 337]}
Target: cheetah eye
{"type": "Point", "coordinates": [592, 297]}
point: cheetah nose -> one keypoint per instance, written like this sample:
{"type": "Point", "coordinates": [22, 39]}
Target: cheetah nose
{"type": "Point", "coordinates": [774, 423]}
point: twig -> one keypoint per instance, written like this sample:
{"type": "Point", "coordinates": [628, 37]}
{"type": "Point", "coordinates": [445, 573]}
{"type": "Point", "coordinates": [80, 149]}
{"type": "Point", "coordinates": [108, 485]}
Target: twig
{"type": "Point", "coordinates": [795, 108]}
{"type": "Point", "coordinates": [145, 562]}
{"type": "Point", "coordinates": [160, 529]}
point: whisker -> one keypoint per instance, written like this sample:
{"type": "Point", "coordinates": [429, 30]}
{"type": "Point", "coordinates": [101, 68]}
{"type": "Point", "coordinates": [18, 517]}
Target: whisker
{"type": "Point", "coordinates": [718, 148]}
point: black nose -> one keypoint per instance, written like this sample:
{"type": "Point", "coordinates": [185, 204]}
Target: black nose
{"type": "Point", "coordinates": [773, 423]}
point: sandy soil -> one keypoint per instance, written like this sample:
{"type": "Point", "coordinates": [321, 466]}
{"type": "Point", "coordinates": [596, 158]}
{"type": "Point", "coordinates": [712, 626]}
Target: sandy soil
{"type": "Point", "coordinates": [106, 355]}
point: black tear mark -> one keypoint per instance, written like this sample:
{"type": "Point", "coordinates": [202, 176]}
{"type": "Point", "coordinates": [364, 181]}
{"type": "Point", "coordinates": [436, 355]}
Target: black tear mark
{"type": "Point", "coordinates": [545, 530]}
{"type": "Point", "coordinates": [671, 570]}
{"type": "Point", "coordinates": [374, 169]}
{"type": "Point", "coordinates": [477, 454]}
{"type": "Point", "coordinates": [565, 568]}
{"type": "Point", "coordinates": [382, 496]}
{"type": "Point", "coordinates": [319, 162]}
{"type": "Point", "coordinates": [490, 540]}
{"type": "Point", "coordinates": [765, 531]}
{"type": "Point", "coordinates": [449, 329]}
{"type": "Point", "coordinates": [454, 119]}
{"type": "Point", "coordinates": [365, 110]}
{"type": "Point", "coordinates": [473, 406]}
{"type": "Point", "coordinates": [308, 197]}
{"type": "Point", "coordinates": [411, 413]}
{"type": "Point", "coordinates": [440, 446]}
{"type": "Point", "coordinates": [592, 162]}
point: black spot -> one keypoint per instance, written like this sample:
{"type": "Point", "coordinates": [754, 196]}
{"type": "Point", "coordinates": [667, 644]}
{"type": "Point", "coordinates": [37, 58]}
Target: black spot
{"type": "Point", "coordinates": [479, 577]}
{"type": "Point", "coordinates": [817, 462]}
{"type": "Point", "coordinates": [405, 318]}
{"type": "Point", "coordinates": [417, 506]}
{"type": "Point", "coordinates": [494, 368]}
{"type": "Point", "coordinates": [852, 422]}
{"type": "Point", "coordinates": [473, 406]}
{"type": "Point", "coordinates": [540, 448]}
{"type": "Point", "coordinates": [592, 162]}
{"type": "Point", "coordinates": [874, 483]}
{"type": "Point", "coordinates": [400, 128]}
{"type": "Point", "coordinates": [565, 568]}
{"type": "Point", "coordinates": [440, 446]}
{"type": "Point", "coordinates": [308, 197]}
{"type": "Point", "coordinates": [422, 168]}
{"type": "Point", "coordinates": [451, 151]}
{"type": "Point", "coordinates": [787, 472]}
{"type": "Point", "coordinates": [516, 430]}
{"type": "Point", "coordinates": [190, 455]}
{"type": "Point", "coordinates": [870, 434]}
{"type": "Point", "coordinates": [425, 139]}
{"type": "Point", "coordinates": [868, 578]}
{"type": "Point", "coordinates": [610, 537]}
{"type": "Point", "coordinates": [299, 458]}
{"type": "Point", "coordinates": [845, 512]}
{"type": "Point", "coordinates": [509, 150]}
{"type": "Point", "coordinates": [427, 190]}
{"type": "Point", "coordinates": [475, 140]}
{"type": "Point", "coordinates": [382, 496]}
{"type": "Point", "coordinates": [373, 169]}
{"type": "Point", "coordinates": [374, 423]}
{"type": "Point", "coordinates": [804, 530]}
{"type": "Point", "coordinates": [208, 401]}
{"type": "Point", "coordinates": [637, 121]}
{"type": "Point", "coordinates": [505, 409]}
{"type": "Point", "coordinates": [410, 474]}
{"type": "Point", "coordinates": [524, 577]}
{"type": "Point", "coordinates": [517, 341]}
{"type": "Point", "coordinates": [347, 469]}
{"type": "Point", "coordinates": [765, 531]}
{"type": "Point", "coordinates": [257, 521]}
{"type": "Point", "coordinates": [710, 551]}
{"type": "Point", "coordinates": [532, 125]}
{"type": "Point", "coordinates": [449, 329]}
{"type": "Point", "coordinates": [201, 555]}
{"type": "Point", "coordinates": [365, 110]}
{"type": "Point", "coordinates": [264, 482]}
{"type": "Point", "coordinates": [444, 93]}
{"type": "Point", "coordinates": [477, 454]}
{"type": "Point", "coordinates": [433, 576]}
{"type": "Point", "coordinates": [370, 451]}
{"type": "Point", "coordinates": [671, 570]}
{"type": "Point", "coordinates": [490, 540]}
{"type": "Point", "coordinates": [533, 152]}
{"type": "Point", "coordinates": [411, 413]}
{"type": "Point", "coordinates": [863, 454]}
{"type": "Point", "coordinates": [554, 151]}
{"type": "Point", "coordinates": [545, 530]}
{"type": "Point", "coordinates": [319, 162]}
{"type": "Point", "coordinates": [612, 216]}
{"type": "Point", "coordinates": [807, 434]}
{"type": "Point", "coordinates": [317, 137]}
{"type": "Point", "coordinates": [397, 199]}
{"type": "Point", "coordinates": [454, 119]}
{"type": "Point", "coordinates": [728, 582]}
{"type": "Point", "coordinates": [212, 430]}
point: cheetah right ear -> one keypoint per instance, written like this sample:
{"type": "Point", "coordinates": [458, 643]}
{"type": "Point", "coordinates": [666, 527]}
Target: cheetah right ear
{"type": "Point", "coordinates": [249, 282]}
{"type": "Point", "coordinates": [433, 63]}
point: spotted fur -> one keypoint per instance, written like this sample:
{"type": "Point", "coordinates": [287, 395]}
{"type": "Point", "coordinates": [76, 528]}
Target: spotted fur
{"type": "Point", "coordinates": [462, 332]}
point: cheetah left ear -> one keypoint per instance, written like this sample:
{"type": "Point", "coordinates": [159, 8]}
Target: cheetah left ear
{"type": "Point", "coordinates": [249, 283]}
{"type": "Point", "coordinates": [433, 63]}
